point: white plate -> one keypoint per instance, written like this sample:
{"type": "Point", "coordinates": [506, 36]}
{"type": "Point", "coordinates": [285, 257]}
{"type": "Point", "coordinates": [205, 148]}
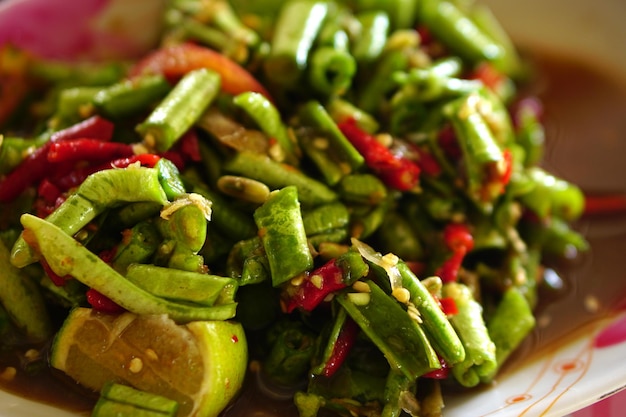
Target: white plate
{"type": "Point", "coordinates": [577, 373]}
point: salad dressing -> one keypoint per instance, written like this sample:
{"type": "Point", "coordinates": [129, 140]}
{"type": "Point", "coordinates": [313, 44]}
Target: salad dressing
{"type": "Point", "coordinates": [585, 145]}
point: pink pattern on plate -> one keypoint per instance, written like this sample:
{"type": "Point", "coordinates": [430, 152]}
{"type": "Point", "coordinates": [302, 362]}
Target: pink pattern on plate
{"type": "Point", "coordinates": [613, 334]}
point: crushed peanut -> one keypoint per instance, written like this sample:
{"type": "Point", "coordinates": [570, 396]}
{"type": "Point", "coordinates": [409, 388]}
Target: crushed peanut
{"type": "Point", "coordinates": [401, 294]}
{"type": "Point", "coordinates": [136, 365]}
{"type": "Point", "coordinates": [361, 286]}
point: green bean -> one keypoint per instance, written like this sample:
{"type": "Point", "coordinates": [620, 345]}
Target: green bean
{"type": "Point", "coordinates": [362, 189]}
{"type": "Point", "coordinates": [331, 71]}
{"type": "Point", "coordinates": [68, 257]}
{"type": "Point", "coordinates": [450, 24]}
{"type": "Point", "coordinates": [552, 196]}
{"type": "Point", "coordinates": [177, 255]}
{"type": "Point", "coordinates": [315, 115]}
{"type": "Point", "coordinates": [480, 350]}
{"type": "Point", "coordinates": [296, 28]}
{"type": "Point", "coordinates": [267, 117]}
{"type": "Point", "coordinates": [118, 396]}
{"type": "Point", "coordinates": [484, 18]}
{"type": "Point", "coordinates": [389, 327]}
{"type": "Point", "coordinates": [316, 149]}
{"type": "Point", "coordinates": [397, 235]}
{"type": "Point", "coordinates": [325, 218]}
{"type": "Point", "coordinates": [169, 178]}
{"type": "Point", "coordinates": [131, 214]}
{"type": "Point", "coordinates": [341, 110]}
{"type": "Point", "coordinates": [255, 270]}
{"type": "Point", "coordinates": [289, 358]}
{"type": "Point", "coordinates": [130, 96]}
{"type": "Point", "coordinates": [225, 217]}
{"type": "Point", "coordinates": [397, 388]}
{"type": "Point", "coordinates": [23, 301]}
{"type": "Point", "coordinates": [76, 74]}
{"type": "Point", "coordinates": [509, 325]}
{"type": "Point", "coordinates": [275, 175]}
{"type": "Point", "coordinates": [434, 83]}
{"type": "Point", "coordinates": [138, 245]}
{"type": "Point", "coordinates": [530, 135]}
{"type": "Point", "coordinates": [373, 33]}
{"type": "Point", "coordinates": [186, 225]}
{"type": "Point", "coordinates": [12, 152]}
{"type": "Point", "coordinates": [402, 13]}
{"type": "Point", "coordinates": [180, 109]}
{"type": "Point", "coordinates": [331, 236]}
{"type": "Point", "coordinates": [436, 325]}
{"type": "Point", "coordinates": [193, 287]}
{"type": "Point", "coordinates": [381, 82]}
{"type": "Point", "coordinates": [98, 192]}
{"type": "Point", "coordinates": [74, 104]}
{"type": "Point", "coordinates": [366, 223]}
{"type": "Point", "coordinates": [241, 251]}
{"type": "Point", "coordinates": [282, 232]}
{"type": "Point", "coordinates": [325, 355]}
{"type": "Point", "coordinates": [224, 17]}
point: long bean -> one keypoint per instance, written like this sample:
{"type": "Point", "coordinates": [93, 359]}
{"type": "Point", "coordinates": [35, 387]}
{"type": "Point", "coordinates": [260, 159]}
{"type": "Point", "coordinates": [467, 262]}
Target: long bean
{"type": "Point", "coordinates": [180, 109]}
{"type": "Point", "coordinates": [297, 26]}
{"type": "Point", "coordinates": [65, 255]}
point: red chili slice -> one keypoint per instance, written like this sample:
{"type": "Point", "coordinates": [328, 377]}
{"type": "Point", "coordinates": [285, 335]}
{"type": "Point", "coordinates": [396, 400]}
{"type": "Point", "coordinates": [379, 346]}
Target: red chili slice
{"type": "Point", "coordinates": [177, 60]}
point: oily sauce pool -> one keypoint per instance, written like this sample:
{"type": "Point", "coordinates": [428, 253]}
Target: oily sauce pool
{"type": "Point", "coordinates": [586, 144]}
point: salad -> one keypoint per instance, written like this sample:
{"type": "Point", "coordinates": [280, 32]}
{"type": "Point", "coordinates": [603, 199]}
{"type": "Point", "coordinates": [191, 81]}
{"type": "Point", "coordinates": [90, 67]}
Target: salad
{"type": "Point", "coordinates": [341, 202]}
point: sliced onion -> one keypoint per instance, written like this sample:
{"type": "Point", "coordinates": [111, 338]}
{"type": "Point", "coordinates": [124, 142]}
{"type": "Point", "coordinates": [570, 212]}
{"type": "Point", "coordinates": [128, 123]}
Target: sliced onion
{"type": "Point", "coordinates": [376, 258]}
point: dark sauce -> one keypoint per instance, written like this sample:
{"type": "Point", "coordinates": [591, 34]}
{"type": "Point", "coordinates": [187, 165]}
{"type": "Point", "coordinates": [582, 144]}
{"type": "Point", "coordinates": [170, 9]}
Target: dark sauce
{"type": "Point", "coordinates": [585, 117]}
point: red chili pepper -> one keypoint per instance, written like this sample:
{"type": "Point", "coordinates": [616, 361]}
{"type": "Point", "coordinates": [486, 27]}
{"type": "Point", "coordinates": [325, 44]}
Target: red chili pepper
{"type": "Point", "coordinates": [102, 303]}
{"type": "Point", "coordinates": [459, 240]}
{"type": "Point", "coordinates": [36, 166]}
{"type": "Point", "coordinates": [448, 306]}
{"type": "Point", "coordinates": [428, 164]}
{"type": "Point", "coordinates": [343, 345]}
{"type": "Point", "coordinates": [58, 280]}
{"type": "Point", "coordinates": [441, 373]}
{"type": "Point", "coordinates": [189, 147]}
{"type": "Point", "coordinates": [177, 60]}
{"type": "Point", "coordinates": [95, 127]}
{"type": "Point", "coordinates": [489, 75]}
{"type": "Point", "coordinates": [48, 191]}
{"type": "Point", "coordinates": [146, 159]}
{"type": "Point", "coordinates": [395, 171]}
{"type": "Point", "coordinates": [85, 149]}
{"type": "Point", "coordinates": [505, 177]}
{"type": "Point", "coordinates": [448, 141]}
{"type": "Point", "coordinates": [321, 282]}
